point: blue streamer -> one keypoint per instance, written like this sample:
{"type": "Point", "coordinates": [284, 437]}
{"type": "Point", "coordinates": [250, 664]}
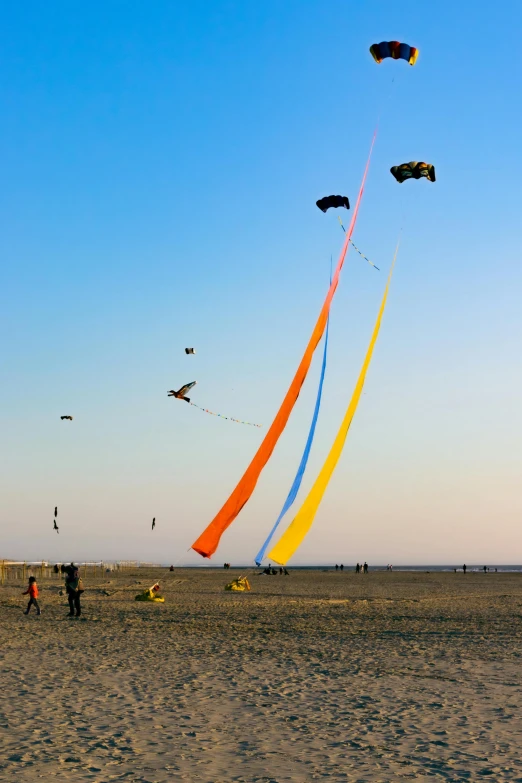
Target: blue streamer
{"type": "Point", "coordinates": [294, 489]}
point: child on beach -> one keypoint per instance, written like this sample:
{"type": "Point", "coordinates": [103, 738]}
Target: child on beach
{"type": "Point", "coordinates": [32, 592]}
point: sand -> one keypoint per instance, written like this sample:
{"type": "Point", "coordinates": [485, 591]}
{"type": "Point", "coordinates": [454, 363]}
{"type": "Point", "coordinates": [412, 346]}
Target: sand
{"type": "Point", "coordinates": [309, 677]}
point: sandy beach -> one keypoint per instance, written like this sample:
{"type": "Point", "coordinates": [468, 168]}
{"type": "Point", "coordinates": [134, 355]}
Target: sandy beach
{"type": "Point", "coordinates": [319, 675]}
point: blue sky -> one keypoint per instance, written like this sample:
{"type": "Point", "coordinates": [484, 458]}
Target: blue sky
{"type": "Point", "coordinates": [160, 167]}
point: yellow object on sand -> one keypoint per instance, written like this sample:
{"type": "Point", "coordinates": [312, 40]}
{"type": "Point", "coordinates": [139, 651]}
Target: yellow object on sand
{"type": "Point", "coordinates": [151, 595]}
{"type": "Point", "coordinates": [238, 585]}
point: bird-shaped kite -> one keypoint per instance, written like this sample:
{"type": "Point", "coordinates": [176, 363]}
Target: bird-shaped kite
{"type": "Point", "coordinates": [180, 394]}
{"type": "Point", "coordinates": [153, 522]}
{"type": "Point", "coordinates": [69, 418]}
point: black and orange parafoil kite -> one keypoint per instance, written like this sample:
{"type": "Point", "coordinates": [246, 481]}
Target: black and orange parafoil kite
{"type": "Point", "coordinates": [395, 50]}
{"type": "Point", "coordinates": [413, 170]}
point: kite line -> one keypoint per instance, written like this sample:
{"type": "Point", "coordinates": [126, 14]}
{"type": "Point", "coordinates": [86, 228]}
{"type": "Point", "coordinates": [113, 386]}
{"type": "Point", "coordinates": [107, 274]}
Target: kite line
{"type": "Point", "coordinates": [297, 530]}
{"type": "Point", "coordinates": [229, 418]}
{"type": "Point", "coordinates": [207, 543]}
{"type": "Point", "coordinates": [356, 248]}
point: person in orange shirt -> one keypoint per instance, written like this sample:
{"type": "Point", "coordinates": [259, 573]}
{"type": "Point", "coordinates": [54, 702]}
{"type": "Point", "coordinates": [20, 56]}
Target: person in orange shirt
{"type": "Point", "coordinates": [32, 592]}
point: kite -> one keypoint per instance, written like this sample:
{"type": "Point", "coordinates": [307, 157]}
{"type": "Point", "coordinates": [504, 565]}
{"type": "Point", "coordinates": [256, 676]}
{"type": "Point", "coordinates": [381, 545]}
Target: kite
{"type": "Point", "coordinates": [55, 511]}
{"type": "Point", "coordinates": [55, 526]}
{"type": "Point", "coordinates": [69, 418]}
{"type": "Point", "coordinates": [294, 489]}
{"type": "Point", "coordinates": [207, 543]}
{"type": "Point", "coordinates": [333, 201]}
{"type": "Point", "coordinates": [413, 170]}
{"type": "Point", "coordinates": [238, 585]}
{"type": "Point", "coordinates": [180, 394]}
{"type": "Point", "coordinates": [153, 522]}
{"type": "Point", "coordinates": [151, 594]}
{"type": "Point", "coordinates": [297, 530]}
{"type": "Point", "coordinates": [395, 50]}
{"type": "Point", "coordinates": [189, 350]}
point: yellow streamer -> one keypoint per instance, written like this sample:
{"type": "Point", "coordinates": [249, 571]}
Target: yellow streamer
{"type": "Point", "coordinates": [297, 530]}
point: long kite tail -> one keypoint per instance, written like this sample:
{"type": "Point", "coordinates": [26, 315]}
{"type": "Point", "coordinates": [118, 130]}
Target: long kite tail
{"type": "Point", "coordinates": [229, 418]}
{"type": "Point", "coordinates": [297, 530]}
{"type": "Point", "coordinates": [296, 485]}
{"type": "Point", "coordinates": [208, 541]}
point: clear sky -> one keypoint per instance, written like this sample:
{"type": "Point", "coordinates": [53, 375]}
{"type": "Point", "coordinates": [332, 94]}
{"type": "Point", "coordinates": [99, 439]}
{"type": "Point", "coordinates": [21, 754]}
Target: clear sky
{"type": "Point", "coordinates": [160, 167]}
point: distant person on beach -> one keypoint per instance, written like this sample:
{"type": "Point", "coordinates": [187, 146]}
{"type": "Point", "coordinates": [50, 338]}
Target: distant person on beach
{"type": "Point", "coordinates": [280, 572]}
{"type": "Point", "coordinates": [32, 592]}
{"type": "Point", "coordinates": [171, 568]}
{"type": "Point", "coordinates": [336, 567]}
{"type": "Point", "coordinates": [365, 567]}
{"type": "Point", "coordinates": [357, 568]}
{"type": "Point", "coordinates": [286, 572]}
{"type": "Point", "coordinates": [464, 568]}
{"type": "Point", "coordinates": [74, 589]}
{"type": "Point", "coordinates": [341, 567]}
{"type": "Point", "coordinates": [485, 569]}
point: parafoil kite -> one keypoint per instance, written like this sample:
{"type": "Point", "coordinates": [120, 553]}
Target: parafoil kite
{"type": "Point", "coordinates": [394, 49]}
{"type": "Point", "coordinates": [413, 170]}
{"type": "Point", "coordinates": [189, 350]}
{"type": "Point", "coordinates": [69, 418]}
{"type": "Point", "coordinates": [180, 394]}
{"type": "Point", "coordinates": [333, 201]}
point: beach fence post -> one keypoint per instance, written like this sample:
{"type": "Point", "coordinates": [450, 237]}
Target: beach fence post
{"type": "Point", "coordinates": [24, 572]}
{"type": "Point", "coordinates": [2, 572]}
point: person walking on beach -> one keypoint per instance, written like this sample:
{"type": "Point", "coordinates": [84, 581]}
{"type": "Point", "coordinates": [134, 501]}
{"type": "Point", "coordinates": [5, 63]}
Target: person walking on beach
{"type": "Point", "coordinates": [357, 568]}
{"type": "Point", "coordinates": [74, 588]}
{"type": "Point", "coordinates": [341, 567]}
{"type": "Point", "coordinates": [365, 567]}
{"type": "Point", "coordinates": [464, 568]}
{"type": "Point", "coordinates": [32, 592]}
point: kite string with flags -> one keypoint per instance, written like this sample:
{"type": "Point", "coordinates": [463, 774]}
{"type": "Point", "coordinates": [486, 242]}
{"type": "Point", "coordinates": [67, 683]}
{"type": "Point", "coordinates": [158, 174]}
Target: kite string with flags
{"type": "Point", "coordinates": [356, 248]}
{"type": "Point", "coordinates": [229, 418]}
{"type": "Point", "coordinates": [296, 484]}
{"type": "Point", "coordinates": [299, 527]}
{"type": "Point", "coordinates": [207, 543]}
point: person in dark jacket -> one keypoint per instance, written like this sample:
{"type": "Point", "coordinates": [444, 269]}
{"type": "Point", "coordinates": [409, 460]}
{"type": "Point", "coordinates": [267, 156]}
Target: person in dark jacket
{"type": "Point", "coordinates": [73, 588]}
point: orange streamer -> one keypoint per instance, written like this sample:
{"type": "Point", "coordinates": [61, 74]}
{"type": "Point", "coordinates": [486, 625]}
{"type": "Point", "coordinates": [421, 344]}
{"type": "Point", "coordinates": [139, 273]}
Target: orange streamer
{"type": "Point", "coordinates": [208, 541]}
